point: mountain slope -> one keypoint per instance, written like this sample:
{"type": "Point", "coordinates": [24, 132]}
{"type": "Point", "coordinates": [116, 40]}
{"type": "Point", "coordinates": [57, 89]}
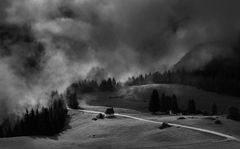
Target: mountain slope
{"type": "Point", "coordinates": [117, 133]}
{"type": "Point", "coordinates": [137, 97]}
{"type": "Point", "coordinates": [201, 55]}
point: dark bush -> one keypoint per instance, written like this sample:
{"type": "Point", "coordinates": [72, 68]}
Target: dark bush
{"type": "Point", "coordinates": [164, 125]}
{"type": "Point", "coordinates": [110, 116]}
{"type": "Point", "coordinates": [94, 119]}
{"type": "Point", "coordinates": [109, 111]}
{"type": "Point", "coordinates": [233, 113]}
{"type": "Point", "coordinates": [181, 118]}
{"type": "Point", "coordinates": [100, 116]}
{"type": "Point", "coordinates": [218, 122]}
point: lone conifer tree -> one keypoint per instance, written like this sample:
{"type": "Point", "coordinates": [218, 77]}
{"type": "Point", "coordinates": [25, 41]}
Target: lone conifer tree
{"type": "Point", "coordinates": [72, 101]}
{"type": "Point", "coordinates": [163, 103]}
{"type": "Point", "coordinates": [214, 109]}
{"type": "Point", "coordinates": [174, 104]}
{"type": "Point", "coordinates": [154, 102]}
{"type": "Point", "coordinates": [191, 107]}
{"type": "Point", "coordinates": [233, 113]}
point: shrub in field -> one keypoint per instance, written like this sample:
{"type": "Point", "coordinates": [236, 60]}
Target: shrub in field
{"type": "Point", "coordinates": [164, 125]}
{"type": "Point", "coordinates": [233, 113]}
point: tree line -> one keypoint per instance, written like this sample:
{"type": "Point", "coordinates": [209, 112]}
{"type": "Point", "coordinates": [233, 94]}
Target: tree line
{"type": "Point", "coordinates": [46, 121]}
{"type": "Point", "coordinates": [169, 104]}
{"type": "Point", "coordinates": [209, 79]}
{"type": "Point", "coordinates": [88, 86]}
{"type": "Point", "coordinates": [221, 75]}
{"type": "Point", "coordinates": [166, 104]}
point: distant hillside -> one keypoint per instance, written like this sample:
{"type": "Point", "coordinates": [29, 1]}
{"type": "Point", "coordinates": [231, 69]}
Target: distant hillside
{"type": "Point", "coordinates": [203, 54]}
{"type": "Point", "coordinates": [137, 97]}
{"type": "Point", "coordinates": [212, 67]}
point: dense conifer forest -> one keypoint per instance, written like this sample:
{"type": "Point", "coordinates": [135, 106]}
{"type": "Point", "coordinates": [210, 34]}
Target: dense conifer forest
{"type": "Point", "coordinates": [45, 121]}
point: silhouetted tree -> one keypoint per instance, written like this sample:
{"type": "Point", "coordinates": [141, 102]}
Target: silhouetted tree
{"type": "Point", "coordinates": [108, 85]}
{"type": "Point", "coordinates": [214, 109]}
{"type": "Point", "coordinates": [191, 107]}
{"type": "Point", "coordinates": [233, 113]}
{"type": "Point", "coordinates": [1, 131]}
{"type": "Point", "coordinates": [174, 104]}
{"type": "Point", "coordinates": [103, 86]}
{"type": "Point", "coordinates": [154, 102]}
{"type": "Point", "coordinates": [163, 103]}
{"type": "Point", "coordinates": [72, 101]}
{"type": "Point", "coordinates": [168, 102]}
{"type": "Point", "coordinates": [114, 82]}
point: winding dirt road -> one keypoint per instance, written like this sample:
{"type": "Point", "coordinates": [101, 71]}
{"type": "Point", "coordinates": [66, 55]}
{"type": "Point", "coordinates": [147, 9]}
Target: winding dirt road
{"type": "Point", "coordinates": [227, 137]}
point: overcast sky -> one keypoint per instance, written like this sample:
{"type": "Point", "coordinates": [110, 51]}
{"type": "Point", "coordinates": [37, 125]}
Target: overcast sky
{"type": "Point", "coordinates": [120, 38]}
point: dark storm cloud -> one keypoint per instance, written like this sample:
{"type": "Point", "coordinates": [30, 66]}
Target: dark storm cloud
{"type": "Point", "coordinates": [100, 38]}
{"type": "Point", "coordinates": [150, 33]}
{"type": "Point", "coordinates": [137, 31]}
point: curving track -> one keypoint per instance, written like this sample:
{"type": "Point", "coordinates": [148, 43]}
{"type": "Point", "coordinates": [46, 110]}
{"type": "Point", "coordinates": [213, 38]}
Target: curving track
{"type": "Point", "coordinates": [227, 137]}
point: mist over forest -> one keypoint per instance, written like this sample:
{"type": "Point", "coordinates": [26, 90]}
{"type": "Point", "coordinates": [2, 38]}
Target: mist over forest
{"type": "Point", "coordinates": [46, 45]}
{"type": "Point", "coordinates": [119, 74]}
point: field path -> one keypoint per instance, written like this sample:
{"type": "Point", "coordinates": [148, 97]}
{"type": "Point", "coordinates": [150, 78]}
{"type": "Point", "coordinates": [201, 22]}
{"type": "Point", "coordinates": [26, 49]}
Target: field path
{"type": "Point", "coordinates": [228, 137]}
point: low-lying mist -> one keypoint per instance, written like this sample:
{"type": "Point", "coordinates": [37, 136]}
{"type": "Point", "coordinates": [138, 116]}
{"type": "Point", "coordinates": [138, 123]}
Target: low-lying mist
{"type": "Point", "coordinates": [47, 44]}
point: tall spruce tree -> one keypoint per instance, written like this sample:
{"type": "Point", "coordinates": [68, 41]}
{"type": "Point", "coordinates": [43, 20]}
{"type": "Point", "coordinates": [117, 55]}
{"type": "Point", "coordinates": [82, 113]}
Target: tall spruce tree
{"type": "Point", "coordinates": [163, 103]}
{"type": "Point", "coordinates": [154, 102]}
{"type": "Point", "coordinates": [214, 109]}
{"type": "Point", "coordinates": [72, 101]}
{"type": "Point", "coordinates": [174, 104]}
{"type": "Point", "coordinates": [191, 107]}
{"type": "Point", "coordinates": [233, 113]}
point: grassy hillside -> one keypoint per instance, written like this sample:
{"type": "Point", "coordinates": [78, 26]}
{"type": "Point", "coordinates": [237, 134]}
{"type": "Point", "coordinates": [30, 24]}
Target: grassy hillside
{"type": "Point", "coordinates": [137, 97]}
{"type": "Point", "coordinates": [122, 133]}
{"type": "Point", "coordinates": [117, 133]}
